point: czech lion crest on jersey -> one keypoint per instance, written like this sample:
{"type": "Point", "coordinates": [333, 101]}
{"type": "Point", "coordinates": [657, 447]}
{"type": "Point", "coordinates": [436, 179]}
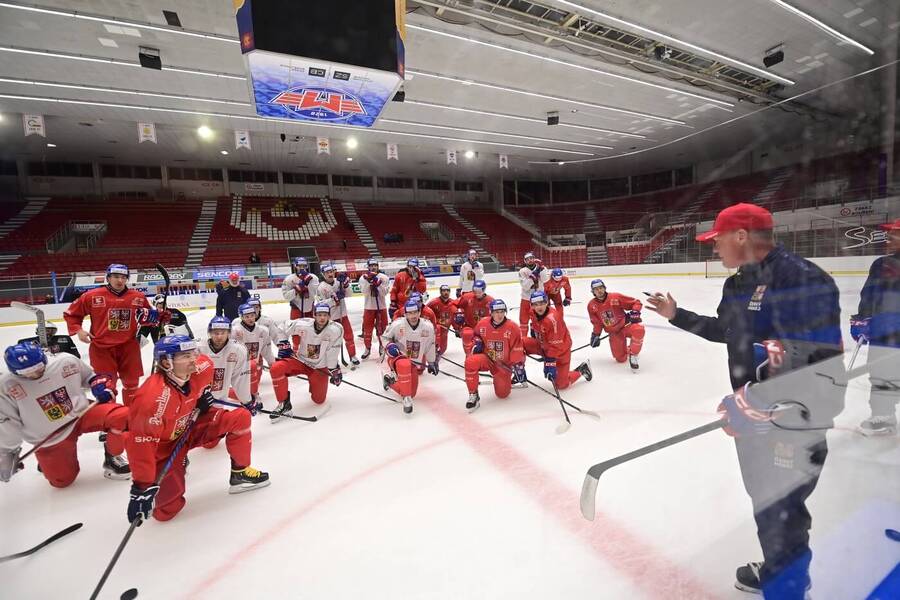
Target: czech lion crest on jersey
{"type": "Point", "coordinates": [218, 380]}
{"type": "Point", "coordinates": [609, 318]}
{"type": "Point", "coordinates": [56, 404]}
{"type": "Point", "coordinates": [413, 349]}
{"type": "Point", "coordinates": [313, 351]}
{"type": "Point", "coordinates": [494, 349]}
{"type": "Point", "coordinates": [119, 319]}
{"type": "Point", "coordinates": [252, 349]}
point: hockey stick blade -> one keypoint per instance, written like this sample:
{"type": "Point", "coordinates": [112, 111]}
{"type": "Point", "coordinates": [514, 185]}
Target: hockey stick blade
{"type": "Point", "coordinates": [589, 488]}
{"type": "Point", "coordinates": [562, 428]}
{"type": "Point", "coordinates": [43, 544]}
{"type": "Point", "coordinates": [39, 316]}
{"type": "Point", "coordinates": [129, 594]}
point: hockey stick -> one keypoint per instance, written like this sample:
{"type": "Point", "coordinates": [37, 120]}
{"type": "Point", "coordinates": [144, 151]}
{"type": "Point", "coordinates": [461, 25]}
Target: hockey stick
{"type": "Point", "coordinates": [589, 489]}
{"type": "Point", "coordinates": [56, 432]}
{"type": "Point", "coordinates": [270, 412]}
{"type": "Point", "coordinates": [562, 427]}
{"type": "Point", "coordinates": [41, 321]}
{"type": "Point", "coordinates": [515, 385]}
{"type": "Point", "coordinates": [165, 295]}
{"type": "Point", "coordinates": [183, 438]}
{"type": "Point", "coordinates": [43, 544]}
{"type": "Point", "coordinates": [359, 387]}
{"type": "Point", "coordinates": [540, 359]}
{"type": "Point", "coordinates": [589, 413]}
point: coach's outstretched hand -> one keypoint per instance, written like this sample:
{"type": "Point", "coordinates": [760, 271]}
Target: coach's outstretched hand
{"type": "Point", "coordinates": [664, 306]}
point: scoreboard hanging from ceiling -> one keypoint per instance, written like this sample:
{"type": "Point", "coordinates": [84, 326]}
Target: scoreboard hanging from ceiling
{"type": "Point", "coordinates": [326, 61]}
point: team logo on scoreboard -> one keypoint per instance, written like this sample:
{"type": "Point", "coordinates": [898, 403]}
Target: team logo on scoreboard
{"type": "Point", "coordinates": [320, 103]}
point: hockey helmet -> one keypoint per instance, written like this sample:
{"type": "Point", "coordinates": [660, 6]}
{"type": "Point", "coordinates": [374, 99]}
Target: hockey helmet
{"type": "Point", "coordinates": [246, 308]}
{"type": "Point", "coordinates": [219, 323]}
{"type": "Point", "coordinates": [412, 262]}
{"type": "Point", "coordinates": [498, 305]}
{"type": "Point", "coordinates": [556, 274]}
{"type": "Point", "coordinates": [411, 306]}
{"type": "Point", "coordinates": [597, 283]}
{"type": "Point", "coordinates": [538, 297]}
{"type": "Point", "coordinates": [117, 269]}
{"type": "Point", "coordinates": [321, 307]}
{"type": "Point", "coordinates": [25, 359]}
{"type": "Point", "coordinates": [479, 284]}
{"type": "Point", "coordinates": [170, 345]}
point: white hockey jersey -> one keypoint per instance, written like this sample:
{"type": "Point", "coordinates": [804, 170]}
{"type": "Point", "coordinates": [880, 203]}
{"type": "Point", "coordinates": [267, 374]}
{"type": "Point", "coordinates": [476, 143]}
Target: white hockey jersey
{"type": "Point", "coordinates": [304, 303]}
{"type": "Point", "coordinates": [468, 273]}
{"type": "Point", "coordinates": [231, 371]}
{"type": "Point", "coordinates": [31, 409]}
{"type": "Point", "coordinates": [327, 292]}
{"type": "Point", "coordinates": [275, 333]}
{"type": "Point", "coordinates": [375, 297]}
{"type": "Point", "coordinates": [416, 342]}
{"type": "Point", "coordinates": [527, 282]}
{"type": "Point", "coordinates": [317, 349]}
{"type": "Point", "coordinates": [257, 341]}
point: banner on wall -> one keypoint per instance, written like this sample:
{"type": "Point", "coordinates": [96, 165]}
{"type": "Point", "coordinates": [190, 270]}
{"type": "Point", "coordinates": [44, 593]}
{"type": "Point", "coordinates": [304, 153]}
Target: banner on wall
{"type": "Point", "coordinates": [324, 145]}
{"type": "Point", "coordinates": [504, 161]}
{"type": "Point", "coordinates": [34, 125]}
{"type": "Point", "coordinates": [241, 139]}
{"type": "Point", "coordinates": [451, 157]}
{"type": "Point", "coordinates": [146, 132]}
{"type": "Point", "coordinates": [392, 152]}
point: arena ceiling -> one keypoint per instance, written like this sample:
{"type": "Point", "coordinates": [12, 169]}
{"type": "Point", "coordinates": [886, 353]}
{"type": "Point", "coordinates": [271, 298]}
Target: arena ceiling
{"type": "Point", "coordinates": [482, 76]}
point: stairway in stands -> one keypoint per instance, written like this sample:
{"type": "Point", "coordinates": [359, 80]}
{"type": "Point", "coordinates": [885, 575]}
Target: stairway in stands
{"type": "Point", "coordinates": [680, 219]}
{"type": "Point", "coordinates": [776, 182]}
{"type": "Point", "coordinates": [362, 232]}
{"type": "Point", "coordinates": [200, 238]}
{"type": "Point", "coordinates": [593, 235]}
{"type": "Point", "coordinates": [477, 233]}
{"type": "Point", "coordinates": [30, 209]}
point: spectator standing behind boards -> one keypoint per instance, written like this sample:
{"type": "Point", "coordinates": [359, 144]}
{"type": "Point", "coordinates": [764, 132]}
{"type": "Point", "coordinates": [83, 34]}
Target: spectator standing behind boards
{"type": "Point", "coordinates": [254, 259]}
{"type": "Point", "coordinates": [231, 295]}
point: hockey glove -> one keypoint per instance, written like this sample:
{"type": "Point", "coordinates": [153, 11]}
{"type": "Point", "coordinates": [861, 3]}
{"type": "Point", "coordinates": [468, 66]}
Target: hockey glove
{"type": "Point", "coordinates": [253, 406]}
{"type": "Point", "coordinates": [100, 388]}
{"type": "Point", "coordinates": [301, 290]}
{"type": "Point", "coordinates": [567, 302]}
{"type": "Point", "coordinates": [205, 401]}
{"type": "Point", "coordinates": [165, 316]}
{"type": "Point", "coordinates": [478, 346]}
{"type": "Point", "coordinates": [519, 373]}
{"type": "Point", "coordinates": [393, 350]}
{"type": "Point", "coordinates": [147, 317]}
{"type": "Point", "coordinates": [336, 376]}
{"type": "Point", "coordinates": [140, 502]}
{"type": "Point", "coordinates": [459, 319]}
{"type": "Point", "coordinates": [392, 309]}
{"type": "Point", "coordinates": [458, 292]}
{"type": "Point", "coordinates": [342, 277]}
{"type": "Point", "coordinates": [633, 316]}
{"type": "Point", "coordinates": [745, 416]}
{"type": "Point", "coordinates": [550, 368]}
{"type": "Point", "coordinates": [340, 293]}
{"type": "Point", "coordinates": [284, 350]}
{"type": "Point", "coordinates": [433, 368]}
{"type": "Point", "coordinates": [596, 338]}
{"type": "Point", "coordinates": [859, 327]}
{"type": "Point", "coordinates": [9, 464]}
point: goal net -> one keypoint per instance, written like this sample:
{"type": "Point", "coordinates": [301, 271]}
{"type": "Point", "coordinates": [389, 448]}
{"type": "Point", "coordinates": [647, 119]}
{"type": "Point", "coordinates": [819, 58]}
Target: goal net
{"type": "Point", "coordinates": [714, 268]}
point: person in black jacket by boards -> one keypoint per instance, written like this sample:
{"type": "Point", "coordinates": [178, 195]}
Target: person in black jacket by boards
{"type": "Point", "coordinates": [877, 323]}
{"type": "Point", "coordinates": [779, 317]}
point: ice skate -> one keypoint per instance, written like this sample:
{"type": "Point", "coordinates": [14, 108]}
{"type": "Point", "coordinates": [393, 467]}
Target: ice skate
{"type": "Point", "coordinates": [244, 480]}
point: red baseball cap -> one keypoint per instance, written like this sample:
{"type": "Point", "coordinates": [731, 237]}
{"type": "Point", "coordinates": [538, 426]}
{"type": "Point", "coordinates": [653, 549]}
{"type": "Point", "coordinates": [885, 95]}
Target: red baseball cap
{"type": "Point", "coordinates": [740, 216]}
{"type": "Point", "coordinates": [234, 277]}
{"type": "Point", "coordinates": [893, 226]}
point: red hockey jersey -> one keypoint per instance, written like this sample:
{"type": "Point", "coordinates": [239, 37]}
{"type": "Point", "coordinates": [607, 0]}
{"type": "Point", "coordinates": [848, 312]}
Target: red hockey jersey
{"type": "Point", "coordinates": [609, 315]}
{"type": "Point", "coordinates": [113, 319]}
{"type": "Point", "coordinates": [552, 333]}
{"type": "Point", "coordinates": [502, 343]}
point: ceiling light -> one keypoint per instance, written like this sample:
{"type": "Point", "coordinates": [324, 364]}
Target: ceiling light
{"type": "Point", "coordinates": [349, 159]}
{"type": "Point", "coordinates": [482, 132]}
{"type": "Point", "coordinates": [679, 42]}
{"type": "Point", "coordinates": [352, 143]}
{"type": "Point", "coordinates": [520, 118]}
{"type": "Point", "coordinates": [491, 86]}
{"type": "Point", "coordinates": [566, 63]}
{"type": "Point", "coordinates": [204, 132]}
{"type": "Point", "coordinates": [51, 145]}
{"type": "Point", "coordinates": [223, 152]}
{"type": "Point", "coordinates": [470, 154]}
{"type": "Point", "coordinates": [833, 32]}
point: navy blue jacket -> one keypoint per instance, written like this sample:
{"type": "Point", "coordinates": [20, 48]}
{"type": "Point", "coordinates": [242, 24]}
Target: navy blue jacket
{"type": "Point", "coordinates": [230, 299]}
{"type": "Point", "coordinates": [880, 301]}
{"type": "Point", "coordinates": [784, 297]}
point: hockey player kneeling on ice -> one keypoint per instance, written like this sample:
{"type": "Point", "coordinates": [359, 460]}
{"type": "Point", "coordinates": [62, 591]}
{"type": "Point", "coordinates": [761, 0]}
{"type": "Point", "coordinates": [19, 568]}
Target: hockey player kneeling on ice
{"type": "Point", "coordinates": [553, 343]}
{"type": "Point", "coordinates": [620, 316]}
{"type": "Point", "coordinates": [42, 393]}
{"type": "Point", "coordinates": [161, 413]}
{"type": "Point", "coordinates": [424, 312]}
{"type": "Point", "coordinates": [231, 367]}
{"type": "Point", "coordinates": [497, 348]}
{"type": "Point", "coordinates": [406, 340]}
{"type": "Point", "coordinates": [473, 306]}
{"type": "Point", "coordinates": [333, 289]}
{"type": "Point", "coordinates": [55, 343]}
{"type": "Point", "coordinates": [270, 324]}
{"type": "Point", "coordinates": [255, 338]}
{"type": "Point", "coordinates": [444, 309]}
{"type": "Point", "coordinates": [317, 357]}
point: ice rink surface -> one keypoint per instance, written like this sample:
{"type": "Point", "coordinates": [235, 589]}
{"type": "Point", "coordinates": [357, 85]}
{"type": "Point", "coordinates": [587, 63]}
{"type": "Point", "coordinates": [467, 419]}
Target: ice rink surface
{"type": "Point", "coordinates": [369, 504]}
